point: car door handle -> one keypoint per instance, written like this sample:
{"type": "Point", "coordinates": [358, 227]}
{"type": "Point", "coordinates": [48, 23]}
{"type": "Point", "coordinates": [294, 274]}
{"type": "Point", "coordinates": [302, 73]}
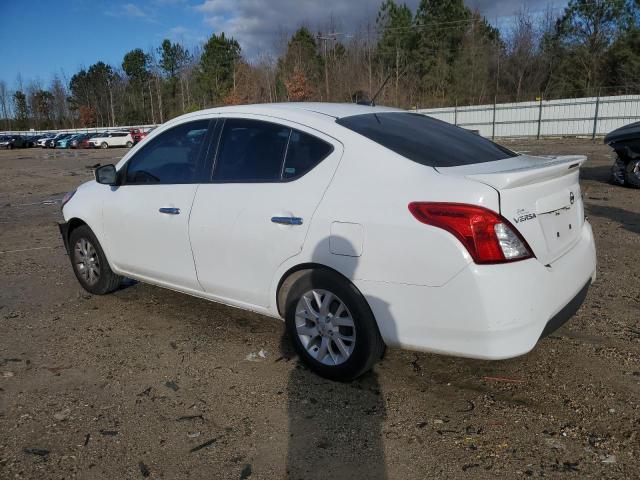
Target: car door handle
{"type": "Point", "coordinates": [170, 210]}
{"type": "Point", "coordinates": [287, 220]}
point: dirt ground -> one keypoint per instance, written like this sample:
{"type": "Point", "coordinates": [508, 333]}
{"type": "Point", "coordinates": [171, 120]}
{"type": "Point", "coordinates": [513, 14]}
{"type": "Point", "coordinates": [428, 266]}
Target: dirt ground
{"type": "Point", "coordinates": [151, 383]}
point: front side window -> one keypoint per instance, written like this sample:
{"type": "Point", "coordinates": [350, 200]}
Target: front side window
{"type": "Point", "coordinates": [171, 157]}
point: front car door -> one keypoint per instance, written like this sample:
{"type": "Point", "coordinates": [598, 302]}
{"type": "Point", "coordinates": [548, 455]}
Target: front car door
{"type": "Point", "coordinates": [146, 217]}
{"type": "Point", "coordinates": [268, 178]}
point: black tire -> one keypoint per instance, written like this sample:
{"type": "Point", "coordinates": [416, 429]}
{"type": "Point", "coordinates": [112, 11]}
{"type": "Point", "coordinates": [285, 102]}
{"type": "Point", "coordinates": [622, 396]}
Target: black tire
{"type": "Point", "coordinates": [632, 173]}
{"type": "Point", "coordinates": [104, 145]}
{"type": "Point", "coordinates": [129, 144]}
{"type": "Point", "coordinates": [369, 346]}
{"type": "Point", "coordinates": [107, 281]}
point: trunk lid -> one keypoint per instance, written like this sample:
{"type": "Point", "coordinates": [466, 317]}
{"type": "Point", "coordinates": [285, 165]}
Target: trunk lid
{"type": "Point", "coordinates": [540, 196]}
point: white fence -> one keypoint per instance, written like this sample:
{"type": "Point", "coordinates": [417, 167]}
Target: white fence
{"type": "Point", "coordinates": [77, 130]}
{"type": "Point", "coordinates": [589, 116]}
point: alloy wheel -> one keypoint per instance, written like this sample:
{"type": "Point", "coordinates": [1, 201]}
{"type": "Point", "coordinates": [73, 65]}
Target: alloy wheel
{"type": "Point", "coordinates": [325, 327]}
{"type": "Point", "coordinates": [86, 261]}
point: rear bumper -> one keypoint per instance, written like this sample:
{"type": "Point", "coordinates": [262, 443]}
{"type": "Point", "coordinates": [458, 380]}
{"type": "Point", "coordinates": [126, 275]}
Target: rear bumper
{"type": "Point", "coordinates": [568, 311]}
{"type": "Point", "coordinates": [486, 311]}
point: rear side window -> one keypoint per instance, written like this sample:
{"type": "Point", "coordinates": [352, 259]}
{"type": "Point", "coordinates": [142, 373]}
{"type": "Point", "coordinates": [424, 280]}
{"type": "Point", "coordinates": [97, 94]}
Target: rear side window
{"type": "Point", "coordinates": [250, 151]}
{"type": "Point", "coordinates": [425, 140]}
{"type": "Point", "coordinates": [303, 153]}
{"type": "Point", "coordinates": [255, 151]}
{"type": "Point", "coordinates": [171, 157]}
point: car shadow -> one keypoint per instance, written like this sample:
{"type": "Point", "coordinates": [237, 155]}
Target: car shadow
{"type": "Point", "coordinates": [335, 429]}
{"type": "Point", "coordinates": [601, 173]}
{"type": "Point", "coordinates": [627, 220]}
{"type": "Point", "coordinates": [127, 282]}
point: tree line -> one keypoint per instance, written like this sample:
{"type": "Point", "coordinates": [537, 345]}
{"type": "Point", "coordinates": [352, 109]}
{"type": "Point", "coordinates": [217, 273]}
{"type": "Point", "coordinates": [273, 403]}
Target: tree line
{"type": "Point", "coordinates": [442, 54]}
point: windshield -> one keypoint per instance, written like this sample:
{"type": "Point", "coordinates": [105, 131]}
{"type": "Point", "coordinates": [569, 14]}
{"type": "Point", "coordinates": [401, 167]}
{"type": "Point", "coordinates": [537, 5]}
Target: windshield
{"type": "Point", "coordinates": [425, 140]}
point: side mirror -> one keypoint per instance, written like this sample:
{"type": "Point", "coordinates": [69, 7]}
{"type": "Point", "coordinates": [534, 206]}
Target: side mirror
{"type": "Point", "coordinates": [106, 175]}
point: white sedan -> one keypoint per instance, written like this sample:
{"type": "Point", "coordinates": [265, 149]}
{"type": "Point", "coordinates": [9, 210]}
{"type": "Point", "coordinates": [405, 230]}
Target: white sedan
{"type": "Point", "coordinates": [363, 227]}
{"type": "Point", "coordinates": [112, 139]}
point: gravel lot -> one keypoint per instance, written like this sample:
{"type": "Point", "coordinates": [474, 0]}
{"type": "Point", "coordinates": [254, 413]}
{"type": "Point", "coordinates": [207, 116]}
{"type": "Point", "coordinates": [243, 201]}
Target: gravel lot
{"type": "Point", "coordinates": [151, 383]}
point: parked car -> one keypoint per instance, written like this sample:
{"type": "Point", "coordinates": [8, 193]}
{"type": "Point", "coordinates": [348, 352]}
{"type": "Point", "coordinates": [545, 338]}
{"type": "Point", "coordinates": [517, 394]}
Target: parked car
{"type": "Point", "coordinates": [13, 141]}
{"type": "Point", "coordinates": [112, 139]}
{"type": "Point", "coordinates": [137, 134]}
{"type": "Point", "coordinates": [86, 142]}
{"type": "Point", "coordinates": [42, 141]}
{"type": "Point", "coordinates": [63, 142]}
{"type": "Point", "coordinates": [363, 227]}
{"type": "Point", "coordinates": [625, 141]}
{"type": "Point", "coordinates": [53, 141]}
{"type": "Point", "coordinates": [76, 141]}
{"type": "Point", "coordinates": [32, 140]}
{"type": "Point", "coordinates": [145, 133]}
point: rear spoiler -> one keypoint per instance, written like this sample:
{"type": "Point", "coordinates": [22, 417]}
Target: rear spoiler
{"type": "Point", "coordinates": [531, 172]}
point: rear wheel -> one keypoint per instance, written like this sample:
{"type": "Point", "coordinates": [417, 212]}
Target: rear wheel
{"type": "Point", "coordinates": [331, 326]}
{"type": "Point", "coordinates": [632, 173]}
{"type": "Point", "coordinates": [129, 144]}
{"type": "Point", "coordinates": [90, 263]}
{"type": "Point", "coordinates": [104, 145]}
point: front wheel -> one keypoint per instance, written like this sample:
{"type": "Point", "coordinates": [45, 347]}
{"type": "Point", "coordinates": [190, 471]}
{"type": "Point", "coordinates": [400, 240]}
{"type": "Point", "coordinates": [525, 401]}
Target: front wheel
{"type": "Point", "coordinates": [104, 145]}
{"type": "Point", "coordinates": [90, 263]}
{"type": "Point", "coordinates": [331, 326]}
{"type": "Point", "coordinates": [632, 173]}
{"type": "Point", "coordinates": [129, 144]}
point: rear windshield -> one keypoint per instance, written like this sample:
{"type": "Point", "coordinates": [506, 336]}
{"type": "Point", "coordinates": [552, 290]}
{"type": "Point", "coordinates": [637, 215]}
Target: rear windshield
{"type": "Point", "coordinates": [425, 140]}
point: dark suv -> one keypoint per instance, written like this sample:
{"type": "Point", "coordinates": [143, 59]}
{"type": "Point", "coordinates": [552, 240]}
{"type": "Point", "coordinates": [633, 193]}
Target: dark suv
{"type": "Point", "coordinates": [12, 141]}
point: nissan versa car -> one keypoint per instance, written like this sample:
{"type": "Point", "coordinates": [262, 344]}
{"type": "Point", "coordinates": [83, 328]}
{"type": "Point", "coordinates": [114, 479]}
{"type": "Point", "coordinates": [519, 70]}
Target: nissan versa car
{"type": "Point", "coordinates": [363, 227]}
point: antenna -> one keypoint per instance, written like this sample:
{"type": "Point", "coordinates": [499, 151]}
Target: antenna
{"type": "Point", "coordinates": [372, 102]}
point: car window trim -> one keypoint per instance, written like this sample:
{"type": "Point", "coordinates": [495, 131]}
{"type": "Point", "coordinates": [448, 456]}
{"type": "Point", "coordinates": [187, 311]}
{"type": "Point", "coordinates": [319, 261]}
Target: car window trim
{"type": "Point", "coordinates": [218, 137]}
{"type": "Point", "coordinates": [246, 180]}
{"type": "Point", "coordinates": [284, 157]}
{"type": "Point", "coordinates": [200, 173]}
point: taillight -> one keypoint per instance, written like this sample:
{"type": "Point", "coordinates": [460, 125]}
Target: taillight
{"type": "Point", "coordinates": [487, 236]}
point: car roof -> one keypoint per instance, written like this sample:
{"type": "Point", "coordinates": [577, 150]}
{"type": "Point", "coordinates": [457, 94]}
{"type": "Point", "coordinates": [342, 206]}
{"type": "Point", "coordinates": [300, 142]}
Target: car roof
{"type": "Point", "coordinates": [318, 110]}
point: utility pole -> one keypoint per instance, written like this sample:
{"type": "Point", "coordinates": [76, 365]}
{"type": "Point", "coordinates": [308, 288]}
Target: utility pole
{"type": "Point", "coordinates": [326, 70]}
{"type": "Point", "coordinates": [329, 36]}
{"type": "Point", "coordinates": [325, 39]}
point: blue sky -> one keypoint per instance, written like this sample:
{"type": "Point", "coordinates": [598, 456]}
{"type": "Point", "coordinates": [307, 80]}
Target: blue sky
{"type": "Point", "coordinates": [41, 38]}
{"type": "Point", "coordinates": [52, 37]}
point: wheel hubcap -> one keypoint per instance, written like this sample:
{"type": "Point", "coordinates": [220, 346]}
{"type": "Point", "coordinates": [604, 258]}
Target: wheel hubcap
{"type": "Point", "coordinates": [86, 261]}
{"type": "Point", "coordinates": [325, 327]}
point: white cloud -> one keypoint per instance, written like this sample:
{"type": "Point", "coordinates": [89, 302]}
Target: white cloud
{"type": "Point", "coordinates": [185, 35]}
{"type": "Point", "coordinates": [133, 10]}
{"type": "Point", "coordinates": [129, 10]}
{"type": "Point", "coordinates": [258, 25]}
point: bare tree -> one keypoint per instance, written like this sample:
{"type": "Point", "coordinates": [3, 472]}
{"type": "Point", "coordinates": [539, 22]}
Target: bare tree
{"type": "Point", "coordinates": [5, 104]}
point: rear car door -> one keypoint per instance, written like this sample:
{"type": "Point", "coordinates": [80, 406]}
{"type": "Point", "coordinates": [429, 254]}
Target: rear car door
{"type": "Point", "coordinates": [267, 180]}
{"type": "Point", "coordinates": [146, 217]}
{"type": "Point", "coordinates": [117, 139]}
